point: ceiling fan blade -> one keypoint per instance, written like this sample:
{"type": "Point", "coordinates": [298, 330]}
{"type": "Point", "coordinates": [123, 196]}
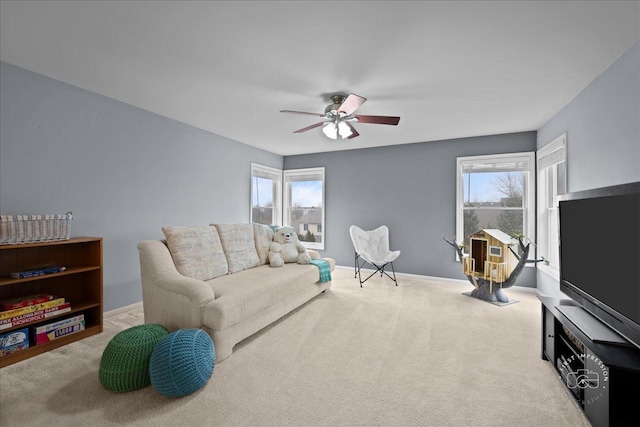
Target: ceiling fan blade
{"type": "Point", "coordinates": [351, 103]}
{"type": "Point", "coordinates": [302, 112]}
{"type": "Point", "coordinates": [353, 130]}
{"type": "Point", "coordinates": [381, 120]}
{"type": "Point", "coordinates": [313, 126]}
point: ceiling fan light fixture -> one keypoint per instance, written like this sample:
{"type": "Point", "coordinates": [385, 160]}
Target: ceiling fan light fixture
{"type": "Point", "coordinates": [337, 117]}
{"type": "Point", "coordinates": [330, 130]}
{"type": "Point", "coordinates": [344, 130]}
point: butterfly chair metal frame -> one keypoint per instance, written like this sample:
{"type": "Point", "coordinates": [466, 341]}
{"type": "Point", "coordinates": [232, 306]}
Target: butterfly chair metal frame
{"type": "Point", "coordinates": [362, 256]}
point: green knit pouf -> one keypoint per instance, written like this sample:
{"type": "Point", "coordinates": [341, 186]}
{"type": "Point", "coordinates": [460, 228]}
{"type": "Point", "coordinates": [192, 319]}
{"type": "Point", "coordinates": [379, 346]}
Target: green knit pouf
{"type": "Point", "coordinates": [124, 365]}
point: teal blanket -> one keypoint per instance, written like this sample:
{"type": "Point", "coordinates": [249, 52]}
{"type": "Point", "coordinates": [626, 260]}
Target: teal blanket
{"type": "Point", "coordinates": [325, 269]}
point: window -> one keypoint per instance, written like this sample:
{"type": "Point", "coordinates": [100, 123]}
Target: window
{"type": "Point", "coordinates": [266, 195]}
{"type": "Point", "coordinates": [300, 205]}
{"type": "Point", "coordinates": [304, 205]}
{"type": "Point", "coordinates": [495, 251]}
{"type": "Point", "coordinates": [552, 181]}
{"type": "Point", "coordinates": [495, 191]}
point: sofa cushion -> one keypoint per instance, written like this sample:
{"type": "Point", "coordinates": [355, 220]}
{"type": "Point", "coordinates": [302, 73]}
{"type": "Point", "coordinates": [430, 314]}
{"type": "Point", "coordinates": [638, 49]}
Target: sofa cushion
{"type": "Point", "coordinates": [264, 236]}
{"type": "Point", "coordinates": [239, 246]}
{"type": "Point", "coordinates": [240, 296]}
{"type": "Point", "coordinates": [196, 251]}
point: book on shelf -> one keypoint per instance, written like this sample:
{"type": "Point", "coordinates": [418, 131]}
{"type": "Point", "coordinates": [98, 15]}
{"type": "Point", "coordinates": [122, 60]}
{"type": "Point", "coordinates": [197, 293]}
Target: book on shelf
{"type": "Point", "coordinates": [35, 316]}
{"type": "Point", "coordinates": [19, 302]}
{"type": "Point", "coordinates": [36, 272]}
{"type": "Point", "coordinates": [14, 341]}
{"type": "Point", "coordinates": [61, 328]}
{"type": "Point", "coordinates": [31, 308]}
{"type": "Point", "coordinates": [56, 324]}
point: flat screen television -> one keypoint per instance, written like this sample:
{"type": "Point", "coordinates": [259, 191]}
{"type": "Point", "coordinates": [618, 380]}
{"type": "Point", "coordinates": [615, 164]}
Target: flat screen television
{"type": "Point", "coordinates": [600, 255]}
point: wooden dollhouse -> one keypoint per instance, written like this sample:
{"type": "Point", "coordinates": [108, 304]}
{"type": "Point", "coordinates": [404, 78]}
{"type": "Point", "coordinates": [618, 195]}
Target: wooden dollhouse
{"type": "Point", "coordinates": [489, 256]}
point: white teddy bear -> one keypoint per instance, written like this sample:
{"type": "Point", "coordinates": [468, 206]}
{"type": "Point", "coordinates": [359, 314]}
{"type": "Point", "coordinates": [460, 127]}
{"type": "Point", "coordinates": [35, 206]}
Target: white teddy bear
{"type": "Point", "coordinates": [286, 248]}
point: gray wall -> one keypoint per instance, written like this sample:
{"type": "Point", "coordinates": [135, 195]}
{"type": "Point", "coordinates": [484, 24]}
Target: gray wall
{"type": "Point", "coordinates": [125, 172]}
{"type": "Point", "coordinates": [603, 134]}
{"type": "Point", "coordinates": [410, 188]}
{"type": "Point", "coordinates": [122, 171]}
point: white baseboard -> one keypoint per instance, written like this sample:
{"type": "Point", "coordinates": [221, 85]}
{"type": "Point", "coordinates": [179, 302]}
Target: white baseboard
{"type": "Point", "coordinates": [124, 309]}
{"type": "Point", "coordinates": [420, 276]}
{"type": "Point", "coordinates": [408, 275]}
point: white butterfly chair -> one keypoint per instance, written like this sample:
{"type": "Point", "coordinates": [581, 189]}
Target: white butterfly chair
{"type": "Point", "coordinates": [373, 247]}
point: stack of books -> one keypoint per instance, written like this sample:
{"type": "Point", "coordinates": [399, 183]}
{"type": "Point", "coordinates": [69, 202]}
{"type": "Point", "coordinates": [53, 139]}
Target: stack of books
{"type": "Point", "coordinates": [28, 309]}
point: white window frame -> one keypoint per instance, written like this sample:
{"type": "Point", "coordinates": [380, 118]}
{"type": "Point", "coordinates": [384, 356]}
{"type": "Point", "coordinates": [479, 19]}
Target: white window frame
{"type": "Point", "coordinates": [267, 172]}
{"type": "Point", "coordinates": [291, 175]}
{"type": "Point", "coordinates": [528, 199]}
{"type": "Point", "coordinates": [550, 158]}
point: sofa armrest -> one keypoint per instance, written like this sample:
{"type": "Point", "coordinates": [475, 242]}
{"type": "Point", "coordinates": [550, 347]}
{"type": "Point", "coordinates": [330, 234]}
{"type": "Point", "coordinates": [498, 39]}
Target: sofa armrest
{"type": "Point", "coordinates": [169, 298]}
{"type": "Point", "coordinates": [313, 254]}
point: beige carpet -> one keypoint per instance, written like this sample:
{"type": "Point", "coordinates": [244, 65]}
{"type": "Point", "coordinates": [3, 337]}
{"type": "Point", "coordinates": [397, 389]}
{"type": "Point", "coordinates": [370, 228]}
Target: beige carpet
{"type": "Point", "coordinates": [420, 354]}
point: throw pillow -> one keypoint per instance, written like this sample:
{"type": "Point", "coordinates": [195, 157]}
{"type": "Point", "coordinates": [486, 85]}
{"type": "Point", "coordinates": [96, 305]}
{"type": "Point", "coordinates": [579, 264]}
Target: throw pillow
{"type": "Point", "coordinates": [264, 237]}
{"type": "Point", "coordinates": [196, 251]}
{"type": "Point", "coordinates": [239, 246]}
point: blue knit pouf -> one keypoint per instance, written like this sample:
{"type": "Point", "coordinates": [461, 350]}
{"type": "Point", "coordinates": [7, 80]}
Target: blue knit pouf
{"type": "Point", "coordinates": [182, 362]}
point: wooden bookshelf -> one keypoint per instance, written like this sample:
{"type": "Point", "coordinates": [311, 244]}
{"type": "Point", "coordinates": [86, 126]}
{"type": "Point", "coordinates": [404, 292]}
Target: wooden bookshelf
{"type": "Point", "coordinates": [80, 284]}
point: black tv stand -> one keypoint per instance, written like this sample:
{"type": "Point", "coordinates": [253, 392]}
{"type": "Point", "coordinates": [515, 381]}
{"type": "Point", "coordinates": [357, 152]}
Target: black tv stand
{"type": "Point", "coordinates": [600, 369]}
{"type": "Point", "coordinates": [593, 328]}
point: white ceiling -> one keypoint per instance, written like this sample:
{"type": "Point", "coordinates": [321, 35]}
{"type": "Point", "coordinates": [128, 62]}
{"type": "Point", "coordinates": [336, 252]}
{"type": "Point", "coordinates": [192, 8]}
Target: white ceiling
{"type": "Point", "coordinates": [449, 69]}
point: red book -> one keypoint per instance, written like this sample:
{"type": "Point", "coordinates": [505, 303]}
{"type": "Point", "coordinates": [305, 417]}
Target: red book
{"type": "Point", "coordinates": [10, 304]}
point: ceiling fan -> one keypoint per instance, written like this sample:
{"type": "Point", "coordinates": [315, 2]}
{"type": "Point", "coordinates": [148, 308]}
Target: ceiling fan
{"type": "Point", "coordinates": [339, 116]}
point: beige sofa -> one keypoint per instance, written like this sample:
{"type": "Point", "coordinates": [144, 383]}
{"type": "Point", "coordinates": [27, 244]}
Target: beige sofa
{"type": "Point", "coordinates": [218, 278]}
